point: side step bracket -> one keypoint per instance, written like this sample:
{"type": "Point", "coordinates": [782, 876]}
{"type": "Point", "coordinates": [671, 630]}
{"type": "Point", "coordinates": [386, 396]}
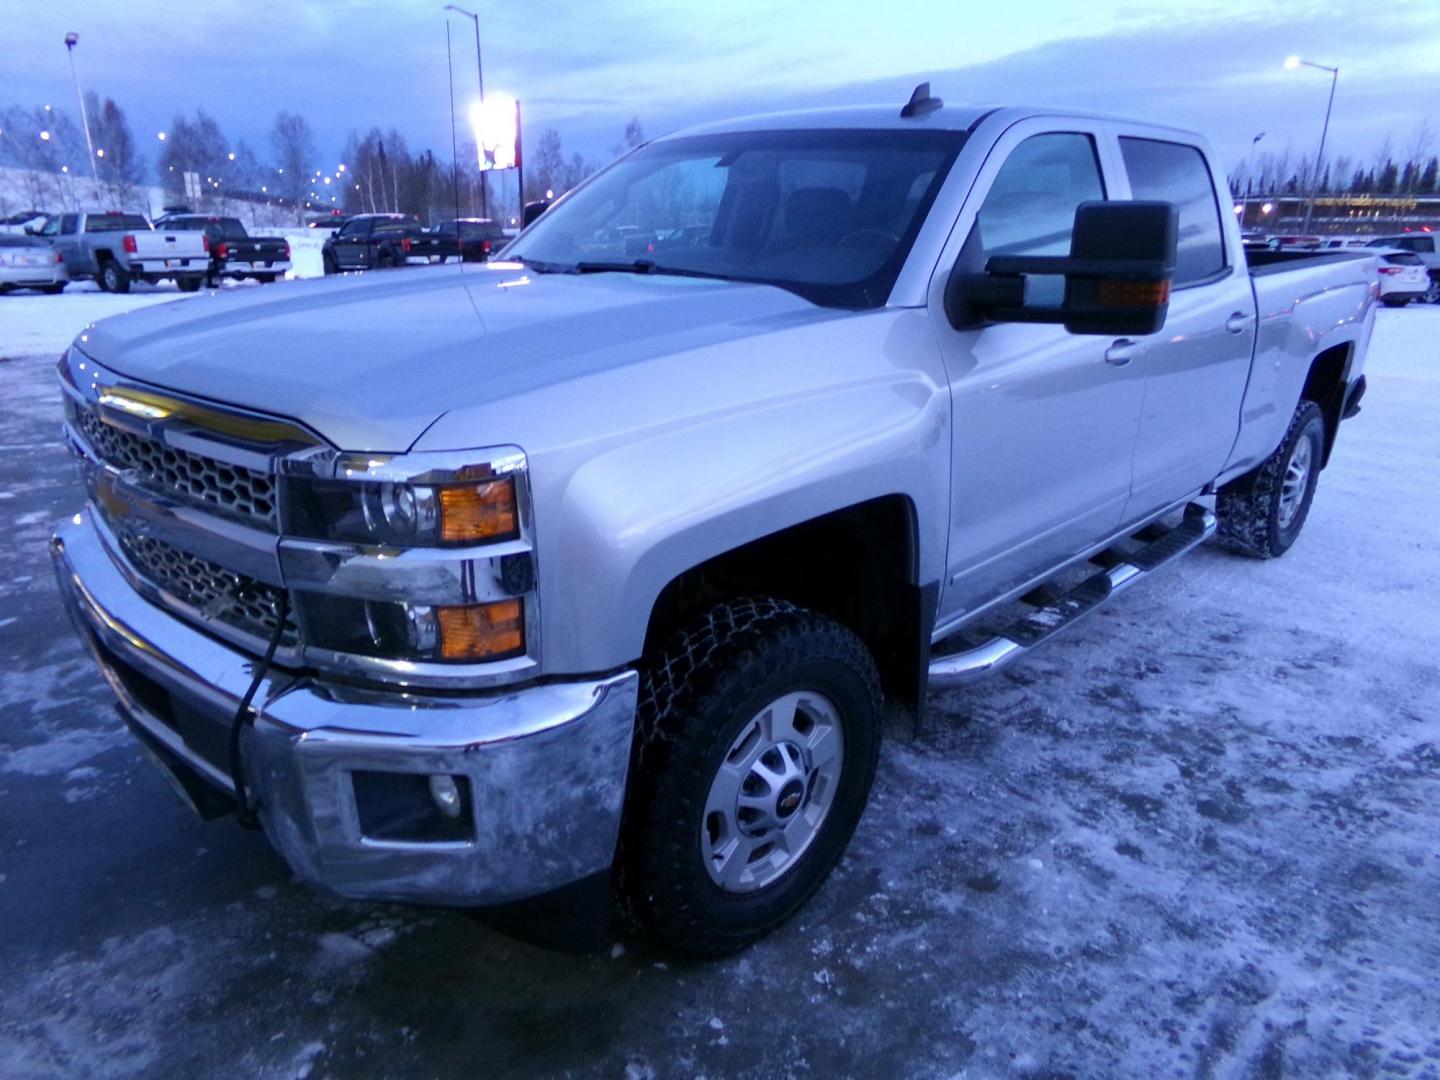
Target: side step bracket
{"type": "Point", "coordinates": [1057, 612]}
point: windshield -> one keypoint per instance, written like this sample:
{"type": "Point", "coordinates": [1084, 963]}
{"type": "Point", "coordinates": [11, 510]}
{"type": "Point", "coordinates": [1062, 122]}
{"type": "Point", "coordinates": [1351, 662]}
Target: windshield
{"type": "Point", "coordinates": [827, 214]}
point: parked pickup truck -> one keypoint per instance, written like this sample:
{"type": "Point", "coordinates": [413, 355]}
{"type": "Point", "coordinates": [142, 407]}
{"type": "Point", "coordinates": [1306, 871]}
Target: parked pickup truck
{"type": "Point", "coordinates": [234, 253]}
{"type": "Point", "coordinates": [116, 249]}
{"type": "Point", "coordinates": [378, 241]}
{"type": "Point", "coordinates": [559, 579]}
{"type": "Point", "coordinates": [473, 239]}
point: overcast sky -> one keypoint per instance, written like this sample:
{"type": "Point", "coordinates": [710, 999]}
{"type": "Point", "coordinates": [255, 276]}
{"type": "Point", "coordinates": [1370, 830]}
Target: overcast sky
{"type": "Point", "coordinates": [585, 68]}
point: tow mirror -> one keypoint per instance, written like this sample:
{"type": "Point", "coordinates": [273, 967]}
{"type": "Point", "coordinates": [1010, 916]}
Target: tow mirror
{"type": "Point", "coordinates": [1117, 275]}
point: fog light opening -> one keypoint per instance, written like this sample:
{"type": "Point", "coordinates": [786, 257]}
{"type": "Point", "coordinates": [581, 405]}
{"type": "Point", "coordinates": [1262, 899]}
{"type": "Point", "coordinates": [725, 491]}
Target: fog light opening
{"type": "Point", "coordinates": [446, 794]}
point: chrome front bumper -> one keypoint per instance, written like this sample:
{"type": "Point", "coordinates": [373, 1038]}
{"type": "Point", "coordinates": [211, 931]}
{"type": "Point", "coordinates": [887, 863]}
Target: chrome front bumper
{"type": "Point", "coordinates": [545, 766]}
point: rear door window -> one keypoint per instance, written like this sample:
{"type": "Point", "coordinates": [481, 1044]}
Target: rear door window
{"type": "Point", "coordinates": [1176, 173]}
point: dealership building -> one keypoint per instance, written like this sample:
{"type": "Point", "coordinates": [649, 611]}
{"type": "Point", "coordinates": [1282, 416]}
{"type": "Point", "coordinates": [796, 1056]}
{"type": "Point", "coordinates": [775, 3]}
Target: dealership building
{"type": "Point", "coordinates": [1361, 215]}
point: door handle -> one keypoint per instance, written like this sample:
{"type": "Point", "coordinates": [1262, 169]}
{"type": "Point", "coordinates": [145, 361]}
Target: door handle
{"type": "Point", "coordinates": [1237, 322]}
{"type": "Point", "coordinates": [1121, 352]}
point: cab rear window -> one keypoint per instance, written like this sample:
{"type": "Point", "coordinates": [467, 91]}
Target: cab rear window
{"type": "Point", "coordinates": [115, 223]}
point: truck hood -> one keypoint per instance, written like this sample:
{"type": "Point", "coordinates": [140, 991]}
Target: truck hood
{"type": "Point", "coordinates": [370, 361]}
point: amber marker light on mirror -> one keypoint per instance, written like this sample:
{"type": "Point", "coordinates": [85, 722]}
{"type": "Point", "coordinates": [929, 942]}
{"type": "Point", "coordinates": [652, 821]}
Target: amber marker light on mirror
{"type": "Point", "coordinates": [1129, 293]}
{"type": "Point", "coordinates": [482, 631]}
{"type": "Point", "coordinates": [472, 513]}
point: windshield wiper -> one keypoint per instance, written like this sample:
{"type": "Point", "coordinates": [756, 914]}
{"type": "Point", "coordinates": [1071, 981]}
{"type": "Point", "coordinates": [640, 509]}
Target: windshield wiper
{"type": "Point", "coordinates": [644, 266]}
{"type": "Point", "coordinates": [543, 267]}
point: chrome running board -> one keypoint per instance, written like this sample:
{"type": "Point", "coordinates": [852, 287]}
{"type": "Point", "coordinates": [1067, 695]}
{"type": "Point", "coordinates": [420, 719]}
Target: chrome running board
{"type": "Point", "coordinates": [1055, 613]}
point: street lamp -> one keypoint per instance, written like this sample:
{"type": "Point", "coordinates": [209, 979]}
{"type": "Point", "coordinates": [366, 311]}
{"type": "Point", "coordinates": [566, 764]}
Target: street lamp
{"type": "Point", "coordinates": [1291, 64]}
{"type": "Point", "coordinates": [479, 75]}
{"type": "Point", "coordinates": [71, 39]}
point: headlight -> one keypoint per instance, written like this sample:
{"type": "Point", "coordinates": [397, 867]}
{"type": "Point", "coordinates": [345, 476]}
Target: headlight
{"type": "Point", "coordinates": [389, 629]}
{"type": "Point", "coordinates": [406, 515]}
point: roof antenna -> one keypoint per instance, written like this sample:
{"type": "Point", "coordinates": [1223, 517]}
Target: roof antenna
{"type": "Point", "coordinates": [920, 103]}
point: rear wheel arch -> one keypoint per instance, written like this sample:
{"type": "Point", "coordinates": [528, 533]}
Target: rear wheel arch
{"type": "Point", "coordinates": [1326, 384]}
{"type": "Point", "coordinates": [858, 565]}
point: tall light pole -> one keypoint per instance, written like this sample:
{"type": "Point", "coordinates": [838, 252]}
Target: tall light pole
{"type": "Point", "coordinates": [480, 75]}
{"type": "Point", "coordinates": [1249, 175]}
{"type": "Point", "coordinates": [1292, 63]}
{"type": "Point", "coordinates": [70, 41]}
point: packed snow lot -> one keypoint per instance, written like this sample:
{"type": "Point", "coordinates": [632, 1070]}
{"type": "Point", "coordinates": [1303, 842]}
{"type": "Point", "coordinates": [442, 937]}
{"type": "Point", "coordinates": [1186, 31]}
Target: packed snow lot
{"type": "Point", "coordinates": [1198, 836]}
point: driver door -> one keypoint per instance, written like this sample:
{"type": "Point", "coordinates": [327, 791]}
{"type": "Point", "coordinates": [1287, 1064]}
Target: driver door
{"type": "Point", "coordinates": [1044, 420]}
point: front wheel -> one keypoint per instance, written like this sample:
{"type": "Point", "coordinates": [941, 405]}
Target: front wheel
{"type": "Point", "coordinates": [758, 734]}
{"type": "Point", "coordinates": [1261, 513]}
{"type": "Point", "coordinates": [329, 263]}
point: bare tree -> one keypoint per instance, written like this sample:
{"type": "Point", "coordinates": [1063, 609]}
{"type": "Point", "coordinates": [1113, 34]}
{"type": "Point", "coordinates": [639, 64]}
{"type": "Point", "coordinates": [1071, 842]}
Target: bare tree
{"type": "Point", "coordinates": [194, 146]}
{"type": "Point", "coordinates": [117, 159]}
{"type": "Point", "coordinates": [293, 145]}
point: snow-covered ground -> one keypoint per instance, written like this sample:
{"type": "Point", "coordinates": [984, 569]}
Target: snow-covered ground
{"type": "Point", "coordinates": [1197, 837]}
{"type": "Point", "coordinates": [32, 323]}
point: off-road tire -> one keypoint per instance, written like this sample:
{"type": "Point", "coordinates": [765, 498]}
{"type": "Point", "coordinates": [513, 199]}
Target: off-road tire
{"type": "Point", "coordinates": [1248, 507]}
{"type": "Point", "coordinates": [696, 694]}
{"type": "Point", "coordinates": [113, 277]}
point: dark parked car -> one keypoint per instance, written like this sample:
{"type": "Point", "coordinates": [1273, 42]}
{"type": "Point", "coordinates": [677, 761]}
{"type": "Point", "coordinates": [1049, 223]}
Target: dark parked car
{"type": "Point", "coordinates": [475, 238]}
{"type": "Point", "coordinates": [381, 240]}
{"type": "Point", "coordinates": [234, 253]}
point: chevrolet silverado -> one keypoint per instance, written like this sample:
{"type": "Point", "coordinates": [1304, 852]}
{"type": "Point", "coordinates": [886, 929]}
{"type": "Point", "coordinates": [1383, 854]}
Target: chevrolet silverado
{"type": "Point", "coordinates": [560, 577]}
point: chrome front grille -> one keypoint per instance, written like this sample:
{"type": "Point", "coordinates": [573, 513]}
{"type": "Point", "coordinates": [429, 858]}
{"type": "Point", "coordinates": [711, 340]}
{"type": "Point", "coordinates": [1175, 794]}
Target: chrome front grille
{"type": "Point", "coordinates": [237, 491]}
{"type": "Point", "coordinates": [250, 606]}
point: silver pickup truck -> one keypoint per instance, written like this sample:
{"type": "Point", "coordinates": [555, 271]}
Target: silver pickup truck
{"type": "Point", "coordinates": [585, 573]}
{"type": "Point", "coordinates": [116, 249]}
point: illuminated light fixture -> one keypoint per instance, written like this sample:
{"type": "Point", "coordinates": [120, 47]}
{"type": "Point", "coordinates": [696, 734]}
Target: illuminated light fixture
{"type": "Point", "coordinates": [44, 136]}
{"type": "Point", "coordinates": [1265, 208]}
{"type": "Point", "coordinates": [100, 152]}
{"type": "Point", "coordinates": [160, 135]}
{"type": "Point", "coordinates": [1292, 62]}
{"type": "Point", "coordinates": [231, 156]}
{"type": "Point", "coordinates": [494, 124]}
{"type": "Point", "coordinates": [481, 631]}
{"type": "Point", "coordinates": [480, 512]}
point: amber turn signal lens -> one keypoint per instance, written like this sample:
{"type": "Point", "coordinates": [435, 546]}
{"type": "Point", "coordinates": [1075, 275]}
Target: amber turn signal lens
{"type": "Point", "coordinates": [472, 513]}
{"type": "Point", "coordinates": [1134, 293]}
{"type": "Point", "coordinates": [482, 631]}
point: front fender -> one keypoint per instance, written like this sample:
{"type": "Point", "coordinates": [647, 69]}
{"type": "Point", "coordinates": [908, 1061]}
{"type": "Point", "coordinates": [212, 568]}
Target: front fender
{"type": "Point", "coordinates": [641, 472]}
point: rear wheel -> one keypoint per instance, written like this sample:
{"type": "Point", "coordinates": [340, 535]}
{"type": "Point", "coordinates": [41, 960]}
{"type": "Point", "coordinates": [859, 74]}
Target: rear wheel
{"type": "Point", "coordinates": [188, 284]}
{"type": "Point", "coordinates": [113, 277]}
{"type": "Point", "coordinates": [384, 261]}
{"type": "Point", "coordinates": [758, 734]}
{"type": "Point", "coordinates": [1261, 513]}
